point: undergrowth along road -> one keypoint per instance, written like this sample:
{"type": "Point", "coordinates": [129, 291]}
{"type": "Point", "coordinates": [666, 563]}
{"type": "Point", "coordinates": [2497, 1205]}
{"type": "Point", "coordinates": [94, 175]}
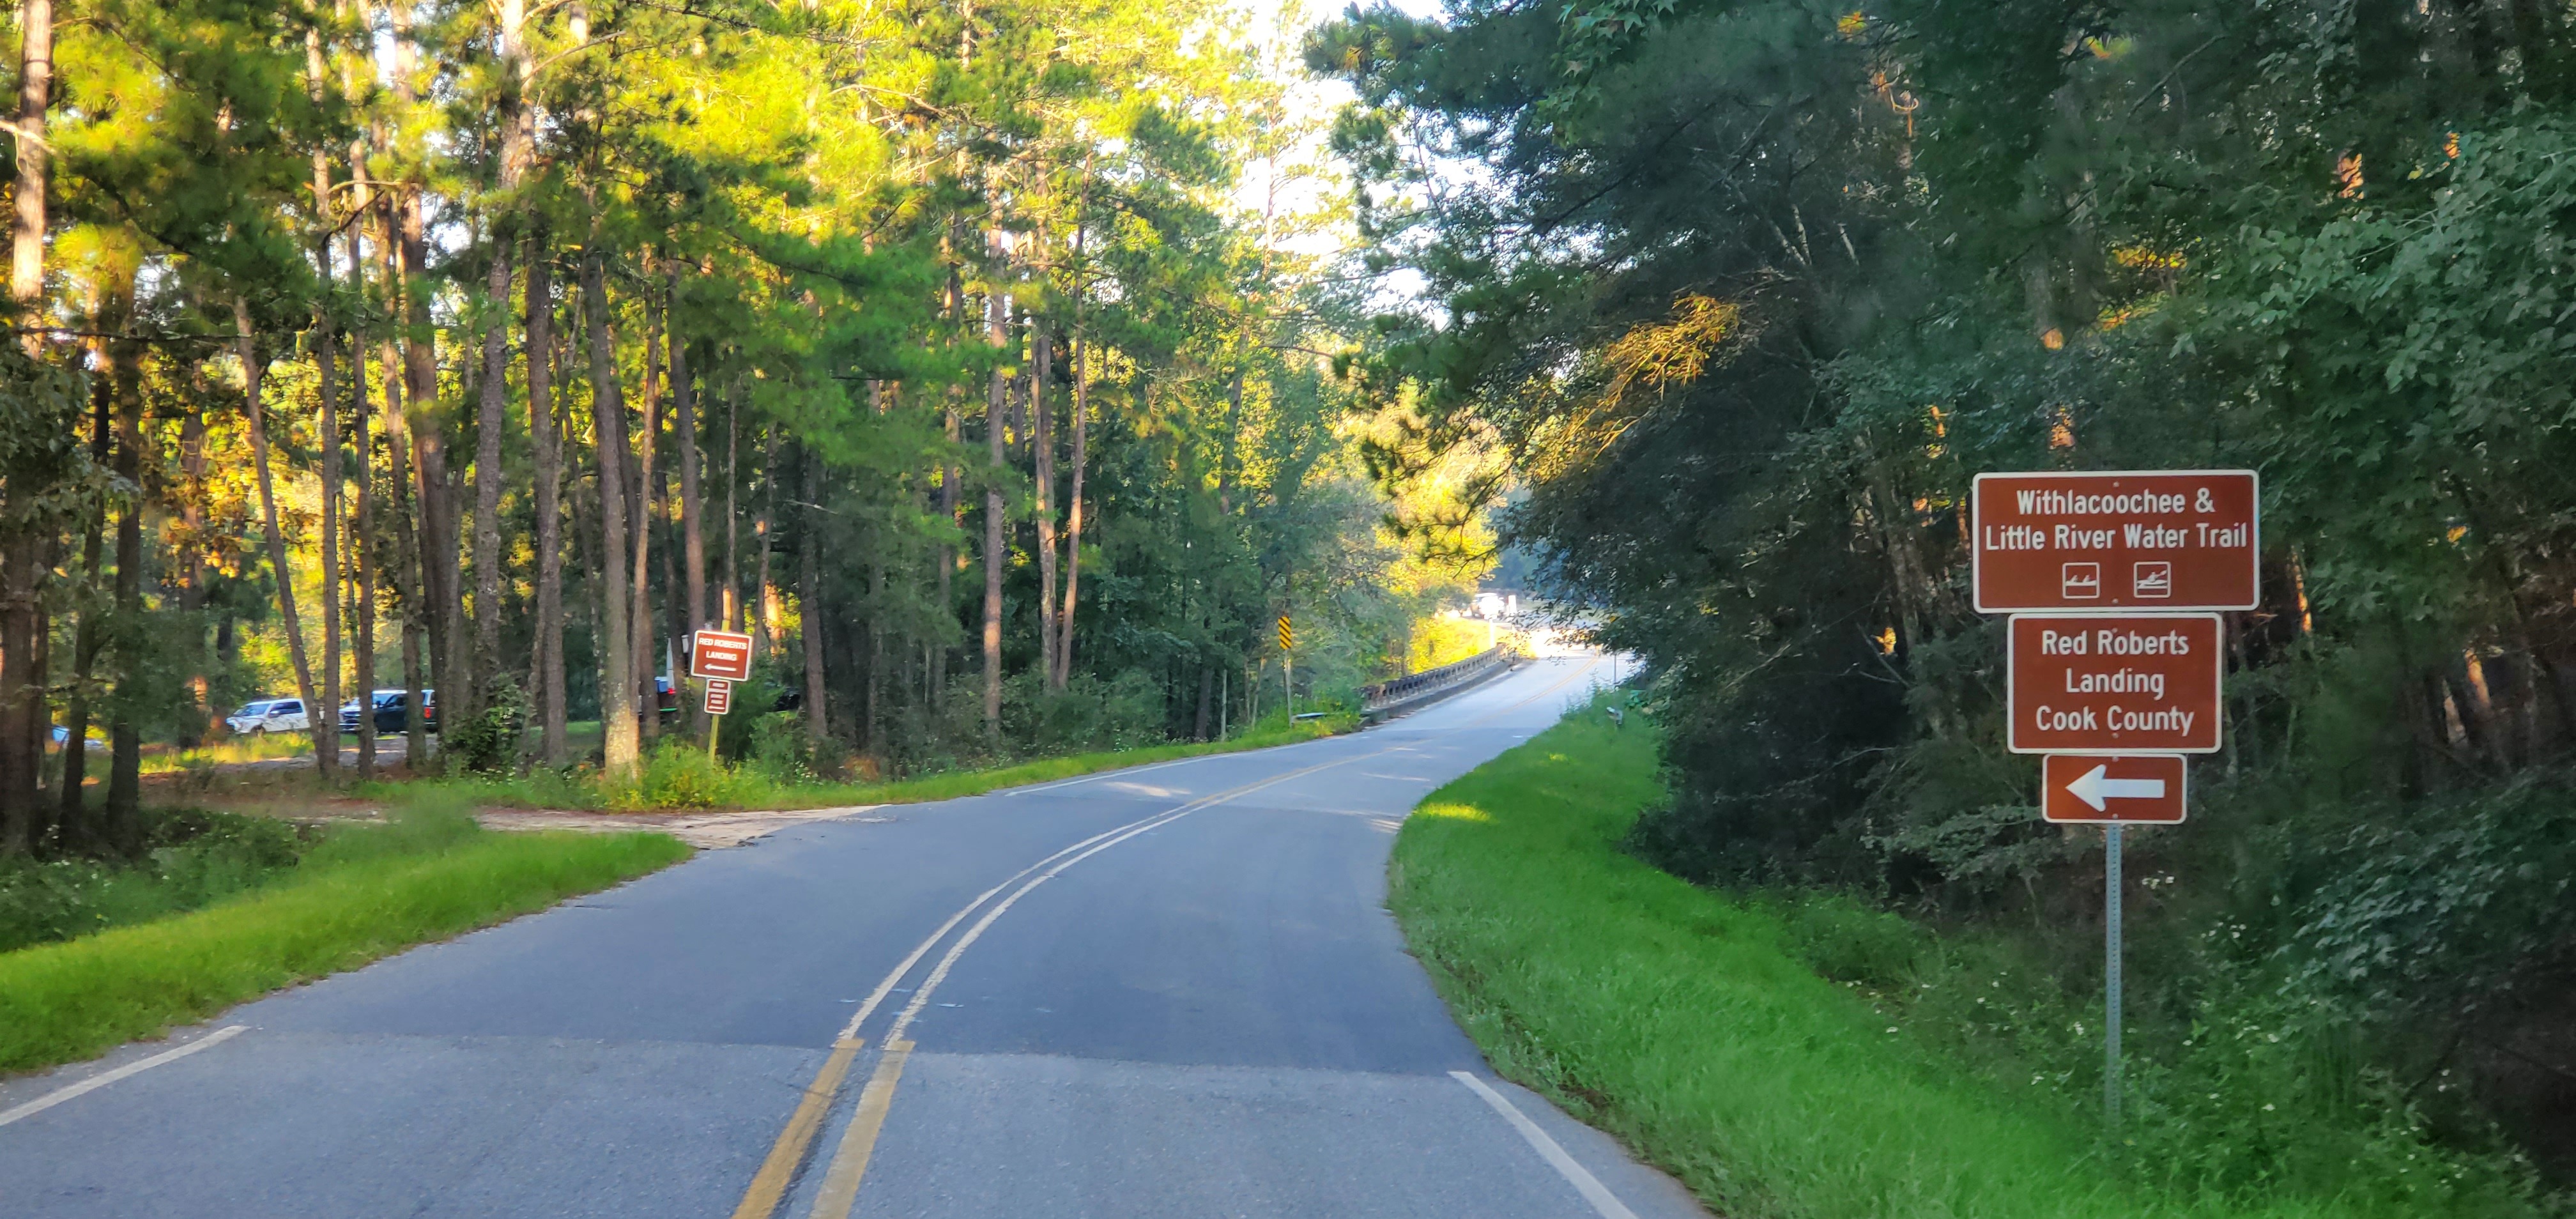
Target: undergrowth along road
{"type": "Point", "coordinates": [679, 776]}
{"type": "Point", "coordinates": [367, 893]}
{"type": "Point", "coordinates": [1680, 1020]}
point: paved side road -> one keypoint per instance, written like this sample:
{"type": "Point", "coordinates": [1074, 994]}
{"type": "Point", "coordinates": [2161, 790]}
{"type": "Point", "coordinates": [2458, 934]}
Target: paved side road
{"type": "Point", "coordinates": [1171, 991]}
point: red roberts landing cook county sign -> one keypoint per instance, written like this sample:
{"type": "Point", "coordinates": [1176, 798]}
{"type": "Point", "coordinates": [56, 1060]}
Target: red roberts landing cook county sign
{"type": "Point", "coordinates": [2137, 539]}
{"type": "Point", "coordinates": [720, 656]}
{"type": "Point", "coordinates": [2087, 790]}
{"type": "Point", "coordinates": [2113, 683]}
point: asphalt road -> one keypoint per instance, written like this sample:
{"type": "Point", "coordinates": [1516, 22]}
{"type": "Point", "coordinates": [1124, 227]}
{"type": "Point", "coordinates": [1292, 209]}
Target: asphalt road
{"type": "Point", "coordinates": [1171, 991]}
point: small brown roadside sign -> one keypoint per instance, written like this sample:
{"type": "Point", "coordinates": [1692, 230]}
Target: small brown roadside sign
{"type": "Point", "coordinates": [2112, 683]}
{"type": "Point", "coordinates": [719, 696]}
{"type": "Point", "coordinates": [2128, 539]}
{"type": "Point", "coordinates": [2088, 789]}
{"type": "Point", "coordinates": [720, 656]}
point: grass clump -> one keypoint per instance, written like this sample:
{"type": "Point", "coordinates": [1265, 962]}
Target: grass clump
{"type": "Point", "coordinates": [358, 892]}
{"type": "Point", "coordinates": [1755, 1046]}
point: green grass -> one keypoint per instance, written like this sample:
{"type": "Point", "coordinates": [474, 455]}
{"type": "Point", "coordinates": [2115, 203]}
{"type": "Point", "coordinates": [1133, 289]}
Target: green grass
{"type": "Point", "coordinates": [678, 777]}
{"type": "Point", "coordinates": [171, 759]}
{"type": "Point", "coordinates": [363, 893]}
{"type": "Point", "coordinates": [1681, 1020]}
{"type": "Point", "coordinates": [950, 785]}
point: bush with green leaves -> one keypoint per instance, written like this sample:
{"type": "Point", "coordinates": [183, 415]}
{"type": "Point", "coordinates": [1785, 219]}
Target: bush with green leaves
{"type": "Point", "coordinates": [191, 858]}
{"type": "Point", "coordinates": [490, 741]}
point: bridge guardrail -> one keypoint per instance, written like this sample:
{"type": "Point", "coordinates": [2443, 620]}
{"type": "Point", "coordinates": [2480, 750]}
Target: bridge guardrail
{"type": "Point", "coordinates": [1387, 697]}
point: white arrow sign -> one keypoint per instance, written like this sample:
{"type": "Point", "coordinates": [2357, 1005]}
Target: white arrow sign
{"type": "Point", "coordinates": [2093, 787]}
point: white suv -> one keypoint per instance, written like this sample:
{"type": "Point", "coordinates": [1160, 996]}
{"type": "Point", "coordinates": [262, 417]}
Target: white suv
{"type": "Point", "coordinates": [269, 715]}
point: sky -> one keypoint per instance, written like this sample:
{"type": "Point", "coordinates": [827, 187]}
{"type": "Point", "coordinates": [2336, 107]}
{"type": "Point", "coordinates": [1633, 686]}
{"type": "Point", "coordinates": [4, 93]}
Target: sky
{"type": "Point", "coordinates": [1278, 28]}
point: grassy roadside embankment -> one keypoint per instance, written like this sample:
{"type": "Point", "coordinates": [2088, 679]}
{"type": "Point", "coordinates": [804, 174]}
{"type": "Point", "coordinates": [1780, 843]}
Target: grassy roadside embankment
{"type": "Point", "coordinates": [1678, 1019]}
{"type": "Point", "coordinates": [364, 892]}
{"type": "Point", "coordinates": [679, 776]}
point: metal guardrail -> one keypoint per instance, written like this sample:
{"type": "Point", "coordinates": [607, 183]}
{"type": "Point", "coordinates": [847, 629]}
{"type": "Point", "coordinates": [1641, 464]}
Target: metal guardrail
{"type": "Point", "coordinates": [1388, 695]}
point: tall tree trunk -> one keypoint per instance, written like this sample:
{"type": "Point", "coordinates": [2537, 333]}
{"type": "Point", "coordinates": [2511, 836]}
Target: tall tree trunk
{"type": "Point", "coordinates": [192, 552]}
{"type": "Point", "coordinates": [246, 345]}
{"type": "Point", "coordinates": [326, 373]}
{"type": "Point", "coordinates": [876, 659]}
{"type": "Point", "coordinates": [648, 514]}
{"type": "Point", "coordinates": [995, 524]}
{"type": "Point", "coordinates": [684, 435]}
{"type": "Point", "coordinates": [362, 549]}
{"type": "Point", "coordinates": [73, 816]}
{"type": "Point", "coordinates": [620, 747]}
{"type": "Point", "coordinates": [1042, 442]}
{"type": "Point", "coordinates": [1073, 520]}
{"type": "Point", "coordinates": [517, 137]}
{"type": "Point", "coordinates": [327, 384]}
{"type": "Point", "coordinates": [810, 588]}
{"type": "Point", "coordinates": [22, 694]}
{"type": "Point", "coordinates": [952, 505]}
{"type": "Point", "coordinates": [492, 415]}
{"type": "Point", "coordinates": [732, 607]}
{"type": "Point", "coordinates": [27, 228]}
{"type": "Point", "coordinates": [366, 557]}
{"type": "Point", "coordinates": [125, 740]}
{"type": "Point", "coordinates": [552, 732]}
{"type": "Point", "coordinates": [22, 690]}
{"type": "Point", "coordinates": [410, 588]}
{"type": "Point", "coordinates": [443, 592]}
{"type": "Point", "coordinates": [1207, 696]}
{"type": "Point", "coordinates": [432, 559]}
{"type": "Point", "coordinates": [674, 632]}
{"type": "Point", "coordinates": [515, 121]}
{"type": "Point", "coordinates": [40, 828]}
{"type": "Point", "coordinates": [765, 527]}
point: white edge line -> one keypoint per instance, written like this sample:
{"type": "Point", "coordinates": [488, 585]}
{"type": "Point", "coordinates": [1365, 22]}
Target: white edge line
{"type": "Point", "coordinates": [104, 1078]}
{"type": "Point", "coordinates": [1604, 1203]}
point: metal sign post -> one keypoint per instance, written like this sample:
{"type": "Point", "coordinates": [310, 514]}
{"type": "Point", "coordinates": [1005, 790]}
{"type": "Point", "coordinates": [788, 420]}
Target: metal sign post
{"type": "Point", "coordinates": [719, 658]}
{"type": "Point", "coordinates": [2111, 972]}
{"type": "Point", "coordinates": [1288, 666]}
{"type": "Point", "coordinates": [719, 701]}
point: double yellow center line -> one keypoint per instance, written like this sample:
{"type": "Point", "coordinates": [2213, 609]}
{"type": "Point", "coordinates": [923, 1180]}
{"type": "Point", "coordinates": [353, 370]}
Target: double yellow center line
{"type": "Point", "coordinates": [840, 1188]}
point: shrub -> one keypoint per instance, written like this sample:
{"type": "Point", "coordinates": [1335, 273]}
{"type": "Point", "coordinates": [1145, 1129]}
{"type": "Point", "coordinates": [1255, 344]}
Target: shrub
{"type": "Point", "coordinates": [192, 858]}
{"type": "Point", "coordinates": [680, 775]}
{"type": "Point", "coordinates": [780, 748]}
{"type": "Point", "coordinates": [489, 741]}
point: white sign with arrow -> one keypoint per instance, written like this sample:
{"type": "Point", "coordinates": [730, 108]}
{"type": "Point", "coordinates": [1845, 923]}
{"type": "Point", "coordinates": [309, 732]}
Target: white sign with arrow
{"type": "Point", "coordinates": [2095, 786]}
{"type": "Point", "coordinates": [2099, 790]}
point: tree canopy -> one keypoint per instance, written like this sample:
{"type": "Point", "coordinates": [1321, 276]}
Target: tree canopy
{"type": "Point", "coordinates": [1750, 290]}
{"type": "Point", "coordinates": [487, 350]}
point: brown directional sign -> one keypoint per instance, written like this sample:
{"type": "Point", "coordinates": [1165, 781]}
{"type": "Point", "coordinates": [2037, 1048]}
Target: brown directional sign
{"type": "Point", "coordinates": [2134, 539]}
{"type": "Point", "coordinates": [720, 655]}
{"type": "Point", "coordinates": [2086, 789]}
{"type": "Point", "coordinates": [719, 696]}
{"type": "Point", "coordinates": [2113, 683]}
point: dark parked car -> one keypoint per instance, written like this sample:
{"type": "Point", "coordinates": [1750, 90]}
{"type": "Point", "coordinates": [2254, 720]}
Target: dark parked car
{"type": "Point", "coordinates": [389, 706]}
